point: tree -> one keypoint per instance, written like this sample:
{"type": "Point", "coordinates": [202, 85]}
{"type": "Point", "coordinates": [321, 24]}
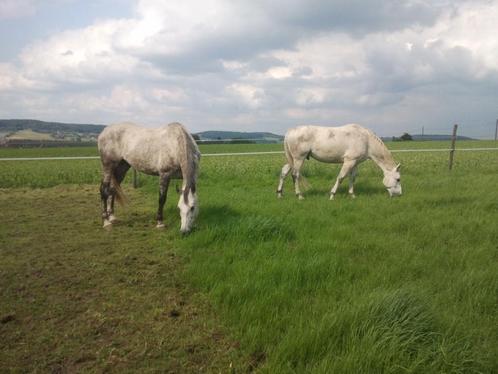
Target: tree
{"type": "Point", "coordinates": [406, 137]}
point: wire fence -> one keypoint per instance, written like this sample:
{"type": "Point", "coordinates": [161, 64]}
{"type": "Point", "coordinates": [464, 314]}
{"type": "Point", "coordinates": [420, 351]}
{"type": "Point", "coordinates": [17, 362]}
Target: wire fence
{"type": "Point", "coordinates": [246, 154]}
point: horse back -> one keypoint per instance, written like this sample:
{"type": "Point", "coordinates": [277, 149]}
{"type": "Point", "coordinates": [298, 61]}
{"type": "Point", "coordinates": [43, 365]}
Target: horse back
{"type": "Point", "coordinates": [328, 144]}
{"type": "Point", "coordinates": [109, 141]}
{"type": "Point", "coordinates": [150, 150]}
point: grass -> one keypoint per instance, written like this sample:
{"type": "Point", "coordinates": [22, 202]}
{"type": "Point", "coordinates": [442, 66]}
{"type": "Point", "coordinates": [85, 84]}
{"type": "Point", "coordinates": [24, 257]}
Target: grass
{"type": "Point", "coordinates": [79, 298]}
{"type": "Point", "coordinates": [31, 135]}
{"type": "Point", "coordinates": [314, 296]}
{"type": "Point", "coordinates": [366, 285]}
{"type": "Point", "coordinates": [91, 150]}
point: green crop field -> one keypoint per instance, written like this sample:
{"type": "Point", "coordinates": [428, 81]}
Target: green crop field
{"type": "Point", "coordinates": [365, 285]}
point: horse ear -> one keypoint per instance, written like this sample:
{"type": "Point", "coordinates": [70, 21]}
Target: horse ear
{"type": "Point", "coordinates": [398, 167]}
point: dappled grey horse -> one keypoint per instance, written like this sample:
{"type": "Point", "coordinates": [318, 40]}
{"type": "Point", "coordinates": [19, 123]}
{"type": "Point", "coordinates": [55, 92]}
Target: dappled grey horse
{"type": "Point", "coordinates": [168, 151]}
{"type": "Point", "coordinates": [349, 145]}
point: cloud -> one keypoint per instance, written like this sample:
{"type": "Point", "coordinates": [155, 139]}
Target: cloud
{"type": "Point", "coordinates": [266, 65]}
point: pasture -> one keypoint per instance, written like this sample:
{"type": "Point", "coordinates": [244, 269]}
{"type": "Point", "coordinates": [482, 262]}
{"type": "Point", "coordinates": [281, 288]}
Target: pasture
{"type": "Point", "coordinates": [370, 285]}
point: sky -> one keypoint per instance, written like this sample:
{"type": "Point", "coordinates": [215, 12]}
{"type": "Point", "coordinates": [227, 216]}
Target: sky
{"type": "Point", "coordinates": [393, 66]}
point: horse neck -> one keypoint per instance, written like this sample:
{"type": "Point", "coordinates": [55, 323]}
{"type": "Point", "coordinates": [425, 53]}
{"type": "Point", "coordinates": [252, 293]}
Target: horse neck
{"type": "Point", "coordinates": [379, 153]}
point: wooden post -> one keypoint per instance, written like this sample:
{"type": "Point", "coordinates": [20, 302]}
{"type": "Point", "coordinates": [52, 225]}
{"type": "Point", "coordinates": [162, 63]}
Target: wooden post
{"type": "Point", "coordinates": [135, 178]}
{"type": "Point", "coordinates": [496, 130]}
{"type": "Point", "coordinates": [452, 150]}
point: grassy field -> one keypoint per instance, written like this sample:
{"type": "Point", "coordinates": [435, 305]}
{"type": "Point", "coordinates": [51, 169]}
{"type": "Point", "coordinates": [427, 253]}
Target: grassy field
{"type": "Point", "coordinates": [371, 285]}
{"type": "Point", "coordinates": [31, 135]}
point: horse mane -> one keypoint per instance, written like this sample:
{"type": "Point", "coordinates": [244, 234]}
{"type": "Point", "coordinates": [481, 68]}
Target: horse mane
{"type": "Point", "coordinates": [385, 154]}
{"type": "Point", "coordinates": [190, 162]}
{"type": "Point", "coordinates": [379, 140]}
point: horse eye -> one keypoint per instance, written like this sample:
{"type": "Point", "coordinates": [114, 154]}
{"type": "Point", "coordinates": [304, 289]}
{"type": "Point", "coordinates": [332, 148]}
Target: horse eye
{"type": "Point", "coordinates": [398, 180]}
{"type": "Point", "coordinates": [192, 209]}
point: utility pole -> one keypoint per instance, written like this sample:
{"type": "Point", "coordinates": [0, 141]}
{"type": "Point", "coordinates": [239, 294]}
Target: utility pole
{"type": "Point", "coordinates": [422, 132]}
{"type": "Point", "coordinates": [496, 130]}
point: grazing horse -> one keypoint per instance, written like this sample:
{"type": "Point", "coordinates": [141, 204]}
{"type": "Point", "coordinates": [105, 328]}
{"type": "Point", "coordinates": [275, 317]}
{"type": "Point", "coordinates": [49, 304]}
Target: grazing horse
{"type": "Point", "coordinates": [349, 145]}
{"type": "Point", "coordinates": [168, 152]}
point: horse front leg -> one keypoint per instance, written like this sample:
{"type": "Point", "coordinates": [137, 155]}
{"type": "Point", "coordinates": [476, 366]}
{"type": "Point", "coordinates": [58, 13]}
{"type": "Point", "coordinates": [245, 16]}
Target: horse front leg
{"type": "Point", "coordinates": [110, 210]}
{"type": "Point", "coordinates": [164, 180]}
{"type": "Point", "coordinates": [345, 170]}
{"type": "Point", "coordinates": [285, 171]}
{"type": "Point", "coordinates": [296, 176]}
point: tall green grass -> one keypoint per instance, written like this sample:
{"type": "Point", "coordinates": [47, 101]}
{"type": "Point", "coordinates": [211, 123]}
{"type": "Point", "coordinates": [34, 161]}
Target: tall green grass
{"type": "Point", "coordinates": [366, 285]}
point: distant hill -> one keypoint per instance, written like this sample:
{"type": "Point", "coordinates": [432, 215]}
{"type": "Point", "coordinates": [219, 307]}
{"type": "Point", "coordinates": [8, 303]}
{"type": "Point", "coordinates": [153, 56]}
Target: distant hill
{"type": "Point", "coordinates": [29, 132]}
{"type": "Point", "coordinates": [18, 125]}
{"type": "Point", "coordinates": [235, 135]}
{"type": "Point", "coordinates": [13, 125]}
{"type": "Point", "coordinates": [428, 137]}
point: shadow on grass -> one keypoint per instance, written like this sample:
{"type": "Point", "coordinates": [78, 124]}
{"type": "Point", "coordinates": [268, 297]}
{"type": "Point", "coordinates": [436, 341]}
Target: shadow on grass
{"type": "Point", "coordinates": [217, 214]}
{"type": "Point", "coordinates": [224, 224]}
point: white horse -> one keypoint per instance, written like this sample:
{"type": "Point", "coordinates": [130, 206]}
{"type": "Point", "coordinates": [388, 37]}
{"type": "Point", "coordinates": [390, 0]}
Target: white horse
{"type": "Point", "coordinates": [168, 151]}
{"type": "Point", "coordinates": [349, 145]}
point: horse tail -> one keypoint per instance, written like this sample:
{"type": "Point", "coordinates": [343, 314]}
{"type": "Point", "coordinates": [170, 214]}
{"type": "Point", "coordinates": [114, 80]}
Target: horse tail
{"type": "Point", "coordinates": [120, 196]}
{"type": "Point", "coordinates": [288, 154]}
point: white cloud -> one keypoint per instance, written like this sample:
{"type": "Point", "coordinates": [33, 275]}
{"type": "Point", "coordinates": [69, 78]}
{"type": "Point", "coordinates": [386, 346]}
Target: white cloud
{"type": "Point", "coordinates": [279, 72]}
{"type": "Point", "coordinates": [217, 62]}
{"type": "Point", "coordinates": [79, 56]}
{"type": "Point", "coordinates": [251, 95]}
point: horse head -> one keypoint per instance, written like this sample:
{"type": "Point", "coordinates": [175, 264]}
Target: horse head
{"type": "Point", "coordinates": [188, 210]}
{"type": "Point", "coordinates": [392, 181]}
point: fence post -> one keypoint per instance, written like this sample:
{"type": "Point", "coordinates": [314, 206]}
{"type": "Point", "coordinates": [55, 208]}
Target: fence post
{"type": "Point", "coordinates": [452, 150]}
{"type": "Point", "coordinates": [496, 131]}
{"type": "Point", "coordinates": [135, 178]}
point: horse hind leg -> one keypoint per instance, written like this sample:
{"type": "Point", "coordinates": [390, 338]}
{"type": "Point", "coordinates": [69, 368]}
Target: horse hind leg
{"type": "Point", "coordinates": [296, 175]}
{"type": "Point", "coordinates": [285, 171]}
{"type": "Point", "coordinates": [118, 174]}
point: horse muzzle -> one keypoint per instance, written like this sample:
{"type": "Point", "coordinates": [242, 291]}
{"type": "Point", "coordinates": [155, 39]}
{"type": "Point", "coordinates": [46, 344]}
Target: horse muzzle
{"type": "Point", "coordinates": [395, 191]}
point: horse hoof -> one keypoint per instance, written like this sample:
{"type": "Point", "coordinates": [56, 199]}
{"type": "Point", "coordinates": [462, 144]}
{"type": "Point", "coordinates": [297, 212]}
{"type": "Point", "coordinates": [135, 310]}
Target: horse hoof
{"type": "Point", "coordinates": [352, 196]}
{"type": "Point", "coordinates": [331, 197]}
{"type": "Point", "coordinates": [279, 195]}
{"type": "Point", "coordinates": [300, 197]}
{"type": "Point", "coordinates": [112, 218]}
{"type": "Point", "coordinates": [107, 224]}
{"type": "Point", "coordinates": [160, 225]}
